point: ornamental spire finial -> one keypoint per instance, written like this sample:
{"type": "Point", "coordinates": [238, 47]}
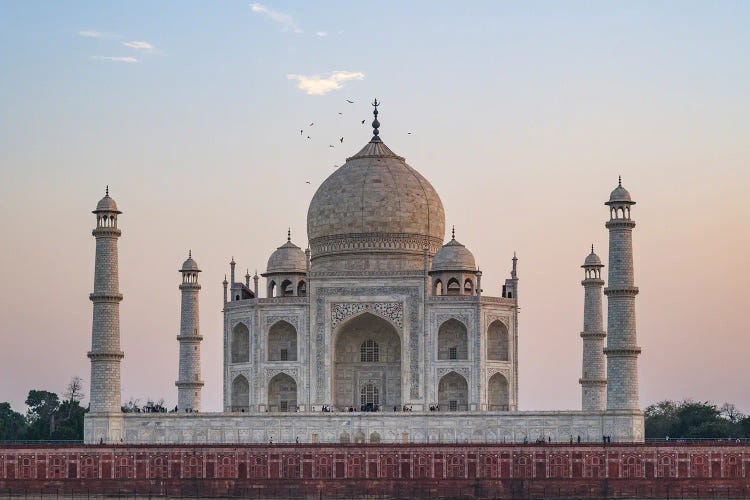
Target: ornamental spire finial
{"type": "Point", "coordinates": [619, 181]}
{"type": "Point", "coordinates": [289, 234]}
{"type": "Point", "coordinates": [375, 122]}
{"type": "Point", "coordinates": [190, 254]}
{"type": "Point", "coordinates": [106, 190]}
{"type": "Point", "coordinates": [453, 232]}
{"type": "Point", "coordinates": [592, 248]}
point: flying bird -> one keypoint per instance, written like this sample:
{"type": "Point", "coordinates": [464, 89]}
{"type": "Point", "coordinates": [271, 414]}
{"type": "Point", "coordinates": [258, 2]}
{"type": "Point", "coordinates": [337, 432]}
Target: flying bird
{"type": "Point", "coordinates": [313, 123]}
{"type": "Point", "coordinates": [409, 133]}
{"type": "Point", "coordinates": [308, 136]}
{"type": "Point", "coordinates": [307, 182]}
{"type": "Point", "coordinates": [330, 145]}
{"type": "Point", "coordinates": [341, 140]}
{"type": "Point", "coordinates": [300, 132]}
{"type": "Point", "coordinates": [363, 122]}
{"type": "Point", "coordinates": [350, 102]}
{"type": "Point", "coordinates": [341, 113]}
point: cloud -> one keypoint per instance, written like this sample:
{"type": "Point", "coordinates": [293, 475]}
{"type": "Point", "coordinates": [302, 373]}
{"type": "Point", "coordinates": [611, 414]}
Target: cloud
{"type": "Point", "coordinates": [285, 20]}
{"type": "Point", "coordinates": [123, 59]}
{"type": "Point", "coordinates": [322, 33]}
{"type": "Point", "coordinates": [138, 45]}
{"type": "Point", "coordinates": [92, 34]}
{"type": "Point", "coordinates": [317, 85]}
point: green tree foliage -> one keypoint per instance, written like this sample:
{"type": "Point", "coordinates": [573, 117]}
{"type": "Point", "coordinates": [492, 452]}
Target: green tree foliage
{"type": "Point", "coordinates": [48, 418]}
{"type": "Point", "coordinates": [12, 424]}
{"type": "Point", "coordinates": [691, 419]}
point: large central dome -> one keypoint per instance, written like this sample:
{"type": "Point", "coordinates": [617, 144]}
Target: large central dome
{"type": "Point", "coordinates": [375, 212]}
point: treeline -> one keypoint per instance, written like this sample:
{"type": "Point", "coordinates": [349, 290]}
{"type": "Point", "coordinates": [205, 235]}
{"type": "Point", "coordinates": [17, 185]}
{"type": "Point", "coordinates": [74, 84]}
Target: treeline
{"type": "Point", "coordinates": [49, 418]}
{"type": "Point", "coordinates": [691, 419]}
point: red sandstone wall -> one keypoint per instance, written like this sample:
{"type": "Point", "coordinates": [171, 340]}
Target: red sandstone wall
{"type": "Point", "coordinates": [407, 471]}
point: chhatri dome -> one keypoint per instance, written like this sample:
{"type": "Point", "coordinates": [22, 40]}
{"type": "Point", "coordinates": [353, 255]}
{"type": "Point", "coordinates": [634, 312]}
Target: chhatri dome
{"type": "Point", "coordinates": [107, 204]}
{"type": "Point", "coordinates": [288, 258]}
{"type": "Point", "coordinates": [620, 194]}
{"type": "Point", "coordinates": [592, 260]}
{"type": "Point", "coordinates": [454, 257]}
{"type": "Point", "coordinates": [190, 264]}
{"type": "Point", "coordinates": [375, 212]}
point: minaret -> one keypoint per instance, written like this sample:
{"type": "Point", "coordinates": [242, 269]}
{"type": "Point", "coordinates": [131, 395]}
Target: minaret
{"type": "Point", "coordinates": [105, 351]}
{"type": "Point", "coordinates": [189, 381]}
{"type": "Point", "coordinates": [593, 376]}
{"type": "Point", "coordinates": [622, 351]}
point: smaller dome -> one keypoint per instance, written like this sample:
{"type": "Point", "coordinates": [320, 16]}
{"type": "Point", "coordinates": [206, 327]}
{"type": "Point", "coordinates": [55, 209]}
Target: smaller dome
{"type": "Point", "coordinates": [453, 256]}
{"type": "Point", "coordinates": [592, 260]}
{"type": "Point", "coordinates": [620, 194]}
{"type": "Point", "coordinates": [288, 258]}
{"type": "Point", "coordinates": [107, 204]}
{"type": "Point", "coordinates": [190, 264]}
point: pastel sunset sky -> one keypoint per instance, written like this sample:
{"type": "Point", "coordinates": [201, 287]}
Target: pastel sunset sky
{"type": "Point", "coordinates": [521, 114]}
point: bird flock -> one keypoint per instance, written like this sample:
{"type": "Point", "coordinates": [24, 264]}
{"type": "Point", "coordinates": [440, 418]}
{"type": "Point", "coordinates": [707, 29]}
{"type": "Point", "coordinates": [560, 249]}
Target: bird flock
{"type": "Point", "coordinates": [306, 135]}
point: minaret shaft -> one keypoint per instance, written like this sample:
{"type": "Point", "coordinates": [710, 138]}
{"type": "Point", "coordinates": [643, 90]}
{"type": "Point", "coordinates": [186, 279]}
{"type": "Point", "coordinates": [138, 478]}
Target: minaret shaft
{"type": "Point", "coordinates": [622, 350]}
{"type": "Point", "coordinates": [105, 354]}
{"type": "Point", "coordinates": [189, 383]}
{"type": "Point", "coordinates": [593, 374]}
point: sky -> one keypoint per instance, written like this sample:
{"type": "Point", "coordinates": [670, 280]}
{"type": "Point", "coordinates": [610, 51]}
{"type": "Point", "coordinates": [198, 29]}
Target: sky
{"type": "Point", "coordinates": [521, 115]}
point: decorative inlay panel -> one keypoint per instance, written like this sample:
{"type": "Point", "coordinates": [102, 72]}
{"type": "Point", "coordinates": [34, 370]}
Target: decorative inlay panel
{"type": "Point", "coordinates": [393, 311]}
{"type": "Point", "coordinates": [272, 372]}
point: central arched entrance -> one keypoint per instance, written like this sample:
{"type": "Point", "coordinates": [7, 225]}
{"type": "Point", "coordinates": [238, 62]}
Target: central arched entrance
{"type": "Point", "coordinates": [367, 364]}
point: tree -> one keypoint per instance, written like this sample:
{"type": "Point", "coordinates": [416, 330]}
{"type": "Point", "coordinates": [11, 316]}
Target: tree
{"type": "Point", "coordinates": [40, 417]}
{"type": "Point", "coordinates": [690, 419]}
{"type": "Point", "coordinates": [12, 424]}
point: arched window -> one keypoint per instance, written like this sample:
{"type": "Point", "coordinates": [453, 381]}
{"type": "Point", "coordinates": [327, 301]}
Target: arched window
{"type": "Point", "coordinates": [453, 393]}
{"type": "Point", "coordinates": [497, 342]}
{"type": "Point", "coordinates": [271, 289]}
{"type": "Point", "coordinates": [287, 289]}
{"type": "Point", "coordinates": [282, 342]}
{"type": "Point", "coordinates": [240, 344]}
{"type": "Point", "coordinates": [282, 393]}
{"type": "Point", "coordinates": [454, 287]}
{"type": "Point", "coordinates": [468, 287]}
{"type": "Point", "coordinates": [240, 394]}
{"type": "Point", "coordinates": [497, 393]}
{"type": "Point", "coordinates": [302, 289]}
{"type": "Point", "coordinates": [438, 288]}
{"type": "Point", "coordinates": [369, 395]}
{"type": "Point", "coordinates": [369, 352]}
{"type": "Point", "coordinates": [452, 340]}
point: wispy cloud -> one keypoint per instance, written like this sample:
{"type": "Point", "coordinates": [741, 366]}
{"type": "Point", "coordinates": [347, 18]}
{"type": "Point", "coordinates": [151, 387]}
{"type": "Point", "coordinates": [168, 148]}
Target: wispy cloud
{"type": "Point", "coordinates": [122, 59]}
{"type": "Point", "coordinates": [318, 85]}
{"type": "Point", "coordinates": [92, 34]}
{"type": "Point", "coordinates": [322, 33]}
{"type": "Point", "coordinates": [285, 20]}
{"type": "Point", "coordinates": [139, 45]}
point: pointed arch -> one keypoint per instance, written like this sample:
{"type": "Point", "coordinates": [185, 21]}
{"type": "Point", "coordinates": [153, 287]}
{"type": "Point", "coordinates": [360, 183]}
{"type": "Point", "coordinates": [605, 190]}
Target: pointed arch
{"type": "Point", "coordinates": [282, 342]}
{"type": "Point", "coordinates": [498, 342]}
{"type": "Point", "coordinates": [453, 393]}
{"type": "Point", "coordinates": [302, 288]}
{"type": "Point", "coordinates": [286, 289]}
{"type": "Point", "coordinates": [240, 344]}
{"type": "Point", "coordinates": [282, 393]}
{"type": "Point", "coordinates": [271, 289]}
{"type": "Point", "coordinates": [498, 396]}
{"type": "Point", "coordinates": [453, 340]}
{"type": "Point", "coordinates": [468, 287]}
{"type": "Point", "coordinates": [437, 288]}
{"type": "Point", "coordinates": [240, 394]}
{"type": "Point", "coordinates": [454, 287]}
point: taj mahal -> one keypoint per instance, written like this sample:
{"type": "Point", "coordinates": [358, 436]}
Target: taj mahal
{"type": "Point", "coordinates": [378, 331]}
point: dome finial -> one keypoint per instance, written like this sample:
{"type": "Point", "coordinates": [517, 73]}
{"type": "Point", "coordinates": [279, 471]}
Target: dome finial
{"type": "Point", "coordinates": [289, 234]}
{"type": "Point", "coordinates": [106, 190]}
{"type": "Point", "coordinates": [619, 181]}
{"type": "Point", "coordinates": [453, 232]}
{"type": "Point", "coordinates": [375, 122]}
{"type": "Point", "coordinates": [592, 248]}
{"type": "Point", "coordinates": [190, 254]}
